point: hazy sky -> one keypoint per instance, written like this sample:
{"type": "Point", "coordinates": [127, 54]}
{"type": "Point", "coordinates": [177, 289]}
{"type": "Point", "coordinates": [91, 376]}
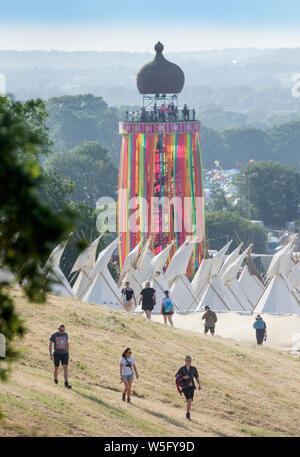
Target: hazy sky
{"type": "Point", "coordinates": [134, 25]}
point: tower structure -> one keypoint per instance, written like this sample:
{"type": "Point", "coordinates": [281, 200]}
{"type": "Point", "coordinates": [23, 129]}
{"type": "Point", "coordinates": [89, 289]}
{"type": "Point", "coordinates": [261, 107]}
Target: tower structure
{"type": "Point", "coordinates": [160, 174]}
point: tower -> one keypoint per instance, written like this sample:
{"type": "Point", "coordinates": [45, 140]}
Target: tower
{"type": "Point", "coordinates": [160, 175]}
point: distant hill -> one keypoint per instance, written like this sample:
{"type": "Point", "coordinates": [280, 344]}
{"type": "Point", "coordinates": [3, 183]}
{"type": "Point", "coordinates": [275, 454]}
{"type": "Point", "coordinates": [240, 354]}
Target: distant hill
{"type": "Point", "coordinates": [247, 390]}
{"type": "Point", "coordinates": [237, 79]}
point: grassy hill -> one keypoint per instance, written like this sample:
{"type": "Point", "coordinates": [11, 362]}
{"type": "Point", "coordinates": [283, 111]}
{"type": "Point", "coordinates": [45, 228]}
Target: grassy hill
{"type": "Point", "coordinates": [246, 390]}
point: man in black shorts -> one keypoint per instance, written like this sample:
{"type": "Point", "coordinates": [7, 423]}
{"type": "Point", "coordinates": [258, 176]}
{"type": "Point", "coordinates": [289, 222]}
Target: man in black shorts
{"type": "Point", "coordinates": [61, 353]}
{"type": "Point", "coordinates": [148, 299]}
{"type": "Point", "coordinates": [187, 374]}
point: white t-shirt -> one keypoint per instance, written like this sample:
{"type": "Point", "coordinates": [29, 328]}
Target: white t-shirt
{"type": "Point", "coordinates": [127, 370]}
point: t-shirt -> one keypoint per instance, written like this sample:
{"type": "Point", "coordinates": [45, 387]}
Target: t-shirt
{"type": "Point", "coordinates": [126, 370]}
{"type": "Point", "coordinates": [129, 293]}
{"type": "Point", "coordinates": [191, 373]}
{"type": "Point", "coordinates": [147, 295]}
{"type": "Point", "coordinates": [60, 342]}
{"type": "Point", "coordinates": [167, 304]}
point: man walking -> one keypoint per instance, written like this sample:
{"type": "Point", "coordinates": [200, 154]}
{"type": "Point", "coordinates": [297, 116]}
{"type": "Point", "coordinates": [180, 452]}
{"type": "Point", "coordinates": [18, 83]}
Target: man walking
{"type": "Point", "coordinates": [261, 329]}
{"type": "Point", "coordinates": [185, 378]}
{"type": "Point", "coordinates": [61, 353]}
{"type": "Point", "coordinates": [210, 318]}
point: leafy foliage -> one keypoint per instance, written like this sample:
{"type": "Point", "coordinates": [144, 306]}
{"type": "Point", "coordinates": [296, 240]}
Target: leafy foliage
{"type": "Point", "coordinates": [273, 189]}
{"type": "Point", "coordinates": [221, 226]}
{"type": "Point", "coordinates": [29, 229]}
{"type": "Point", "coordinates": [74, 120]}
{"type": "Point", "coordinates": [90, 168]}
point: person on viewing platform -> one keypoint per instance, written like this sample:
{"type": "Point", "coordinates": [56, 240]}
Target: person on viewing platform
{"type": "Point", "coordinates": [210, 318]}
{"type": "Point", "coordinates": [261, 329]}
{"type": "Point", "coordinates": [167, 308]}
{"type": "Point", "coordinates": [162, 113]}
{"type": "Point", "coordinates": [186, 113]}
{"type": "Point", "coordinates": [148, 299]}
{"type": "Point", "coordinates": [128, 297]}
{"type": "Point", "coordinates": [127, 367]}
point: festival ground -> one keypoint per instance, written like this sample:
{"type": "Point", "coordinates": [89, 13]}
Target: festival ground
{"type": "Point", "coordinates": [283, 331]}
{"type": "Point", "coordinates": [246, 390]}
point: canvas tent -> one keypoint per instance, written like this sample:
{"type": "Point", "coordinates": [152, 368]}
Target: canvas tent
{"type": "Point", "coordinates": [104, 290]}
{"type": "Point", "coordinates": [84, 264]}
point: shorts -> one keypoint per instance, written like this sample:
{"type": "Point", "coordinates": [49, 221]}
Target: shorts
{"type": "Point", "coordinates": [128, 377]}
{"type": "Point", "coordinates": [211, 329]}
{"type": "Point", "coordinates": [63, 358]}
{"type": "Point", "coordinates": [168, 313]}
{"type": "Point", "coordinates": [188, 392]}
{"type": "Point", "coordinates": [146, 307]}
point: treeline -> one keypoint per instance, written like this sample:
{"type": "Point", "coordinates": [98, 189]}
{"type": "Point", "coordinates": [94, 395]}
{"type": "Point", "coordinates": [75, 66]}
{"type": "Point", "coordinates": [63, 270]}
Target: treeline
{"type": "Point", "coordinates": [74, 120]}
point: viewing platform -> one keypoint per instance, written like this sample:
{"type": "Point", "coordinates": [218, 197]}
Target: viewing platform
{"type": "Point", "coordinates": [151, 128]}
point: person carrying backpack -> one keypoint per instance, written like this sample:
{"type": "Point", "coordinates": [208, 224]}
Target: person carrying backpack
{"type": "Point", "coordinates": [167, 308]}
{"type": "Point", "coordinates": [261, 329]}
{"type": "Point", "coordinates": [185, 379]}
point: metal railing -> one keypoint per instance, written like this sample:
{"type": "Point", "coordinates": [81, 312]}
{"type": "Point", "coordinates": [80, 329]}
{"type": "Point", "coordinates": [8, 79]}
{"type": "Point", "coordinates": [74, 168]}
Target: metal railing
{"type": "Point", "coordinates": [166, 114]}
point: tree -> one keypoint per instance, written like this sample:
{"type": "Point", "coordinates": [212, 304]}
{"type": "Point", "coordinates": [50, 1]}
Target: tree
{"type": "Point", "coordinates": [221, 226]}
{"type": "Point", "coordinates": [29, 229]}
{"type": "Point", "coordinates": [91, 169]}
{"type": "Point", "coordinates": [218, 200]}
{"type": "Point", "coordinates": [272, 188]}
{"type": "Point", "coordinates": [55, 191]}
{"type": "Point", "coordinates": [74, 120]}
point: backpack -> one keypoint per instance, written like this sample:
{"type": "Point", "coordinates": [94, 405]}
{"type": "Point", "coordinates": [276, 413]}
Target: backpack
{"type": "Point", "coordinates": [259, 324]}
{"type": "Point", "coordinates": [179, 384]}
{"type": "Point", "coordinates": [168, 306]}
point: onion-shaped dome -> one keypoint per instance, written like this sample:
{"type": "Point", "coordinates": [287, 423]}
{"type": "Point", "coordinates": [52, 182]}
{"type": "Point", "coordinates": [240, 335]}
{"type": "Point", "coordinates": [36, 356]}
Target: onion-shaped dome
{"type": "Point", "coordinates": [160, 76]}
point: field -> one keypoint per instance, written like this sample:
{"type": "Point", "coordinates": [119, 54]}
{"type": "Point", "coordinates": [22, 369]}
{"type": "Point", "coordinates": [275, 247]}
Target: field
{"type": "Point", "coordinates": [246, 390]}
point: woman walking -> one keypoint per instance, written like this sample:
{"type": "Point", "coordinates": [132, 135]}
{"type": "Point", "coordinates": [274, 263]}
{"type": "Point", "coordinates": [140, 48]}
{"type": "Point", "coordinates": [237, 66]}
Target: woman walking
{"type": "Point", "coordinates": [148, 299]}
{"type": "Point", "coordinates": [127, 297]}
{"type": "Point", "coordinates": [167, 308]}
{"type": "Point", "coordinates": [127, 366]}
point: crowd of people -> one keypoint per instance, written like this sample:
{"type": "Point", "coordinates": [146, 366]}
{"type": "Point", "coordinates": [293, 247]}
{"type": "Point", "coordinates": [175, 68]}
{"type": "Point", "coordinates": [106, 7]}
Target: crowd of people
{"type": "Point", "coordinates": [186, 375]}
{"type": "Point", "coordinates": [163, 113]}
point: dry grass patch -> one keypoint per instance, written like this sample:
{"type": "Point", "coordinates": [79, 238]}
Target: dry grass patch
{"type": "Point", "coordinates": [247, 390]}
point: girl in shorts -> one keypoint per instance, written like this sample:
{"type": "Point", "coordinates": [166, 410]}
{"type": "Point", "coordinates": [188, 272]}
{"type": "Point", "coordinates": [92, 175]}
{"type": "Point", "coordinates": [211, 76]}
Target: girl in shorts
{"type": "Point", "coordinates": [127, 367]}
{"type": "Point", "coordinates": [167, 308]}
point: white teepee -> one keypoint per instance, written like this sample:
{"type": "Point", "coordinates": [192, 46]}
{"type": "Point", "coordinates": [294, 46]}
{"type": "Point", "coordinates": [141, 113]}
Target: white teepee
{"type": "Point", "coordinates": [278, 297]}
{"type": "Point", "coordinates": [104, 290]}
{"type": "Point", "coordinates": [229, 278]}
{"type": "Point", "coordinates": [85, 263]}
{"type": "Point", "coordinates": [61, 285]}
{"type": "Point", "coordinates": [251, 286]}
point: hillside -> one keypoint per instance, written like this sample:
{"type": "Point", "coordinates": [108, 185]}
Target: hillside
{"type": "Point", "coordinates": [246, 390]}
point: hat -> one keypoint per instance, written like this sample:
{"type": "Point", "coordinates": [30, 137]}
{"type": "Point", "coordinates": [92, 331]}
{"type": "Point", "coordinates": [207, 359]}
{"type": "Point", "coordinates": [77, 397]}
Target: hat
{"type": "Point", "coordinates": [206, 307]}
{"type": "Point", "coordinates": [188, 357]}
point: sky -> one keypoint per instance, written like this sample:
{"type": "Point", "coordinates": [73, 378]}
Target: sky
{"type": "Point", "coordinates": [134, 25]}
